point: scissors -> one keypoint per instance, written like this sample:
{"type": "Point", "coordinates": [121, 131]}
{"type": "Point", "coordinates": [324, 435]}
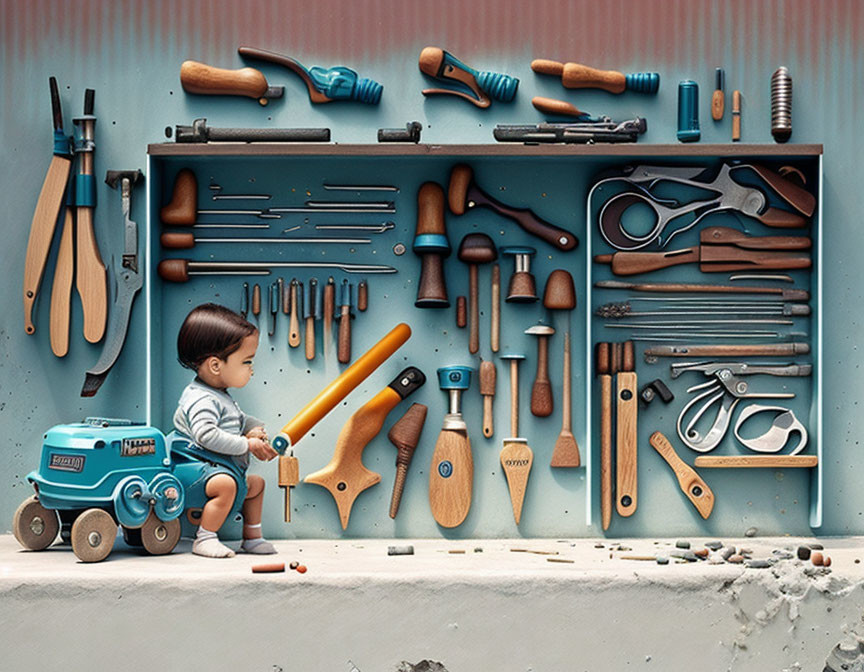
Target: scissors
{"type": "Point", "coordinates": [729, 196]}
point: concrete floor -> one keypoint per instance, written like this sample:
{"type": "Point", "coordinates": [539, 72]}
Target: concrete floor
{"type": "Point", "coordinates": [495, 609]}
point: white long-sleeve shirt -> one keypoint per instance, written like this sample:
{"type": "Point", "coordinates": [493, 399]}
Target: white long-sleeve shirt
{"type": "Point", "coordinates": [213, 420]}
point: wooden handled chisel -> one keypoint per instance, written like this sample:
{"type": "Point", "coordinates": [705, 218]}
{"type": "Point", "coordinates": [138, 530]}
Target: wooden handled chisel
{"type": "Point", "coordinates": [47, 210]}
{"type": "Point", "coordinates": [343, 346]}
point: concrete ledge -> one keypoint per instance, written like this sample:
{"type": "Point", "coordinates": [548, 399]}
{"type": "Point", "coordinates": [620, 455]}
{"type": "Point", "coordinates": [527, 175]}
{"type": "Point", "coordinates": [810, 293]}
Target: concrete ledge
{"type": "Point", "coordinates": [490, 610]}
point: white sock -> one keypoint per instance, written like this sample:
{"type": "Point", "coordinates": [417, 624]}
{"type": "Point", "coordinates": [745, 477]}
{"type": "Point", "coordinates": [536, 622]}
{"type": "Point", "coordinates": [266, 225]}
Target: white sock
{"type": "Point", "coordinates": [208, 545]}
{"type": "Point", "coordinates": [259, 545]}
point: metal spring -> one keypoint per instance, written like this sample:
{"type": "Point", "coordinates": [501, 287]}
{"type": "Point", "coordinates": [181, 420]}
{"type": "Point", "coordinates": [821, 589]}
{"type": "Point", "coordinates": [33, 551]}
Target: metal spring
{"type": "Point", "coordinates": [781, 104]}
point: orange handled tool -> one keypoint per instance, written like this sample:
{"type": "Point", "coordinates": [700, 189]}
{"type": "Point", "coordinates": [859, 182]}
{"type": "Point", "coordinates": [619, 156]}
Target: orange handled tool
{"type": "Point", "coordinates": [576, 76]}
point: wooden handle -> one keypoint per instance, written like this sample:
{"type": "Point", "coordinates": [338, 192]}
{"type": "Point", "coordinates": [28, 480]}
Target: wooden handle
{"type": "Point", "coordinates": [798, 197]}
{"type": "Point", "coordinates": [205, 79]}
{"type": "Point", "coordinates": [514, 397]}
{"type": "Point", "coordinates": [362, 296]}
{"type": "Point", "coordinates": [405, 435]}
{"type": "Point", "coordinates": [689, 481]}
{"type": "Point", "coordinates": [173, 270]}
{"type": "Point", "coordinates": [766, 350]}
{"type": "Point", "coordinates": [605, 451]}
{"type": "Point", "coordinates": [430, 210]}
{"type": "Point", "coordinates": [431, 289]}
{"type": "Point", "coordinates": [633, 263]}
{"type": "Point", "coordinates": [42, 232]}
{"type": "Point", "coordinates": [256, 300]}
{"type": "Point", "coordinates": [495, 333]}
{"type": "Point", "coordinates": [343, 349]}
{"type": "Point", "coordinates": [336, 391]}
{"type": "Point", "coordinates": [294, 317]}
{"type": "Point", "coordinates": [310, 338]}
{"type": "Point", "coordinates": [556, 107]}
{"type": "Point", "coordinates": [457, 189]}
{"type": "Point", "coordinates": [451, 478]}
{"type": "Point", "coordinates": [91, 278]}
{"type": "Point", "coordinates": [345, 476]}
{"type": "Point", "coordinates": [713, 235]}
{"type": "Point", "coordinates": [782, 219]}
{"type": "Point", "coordinates": [674, 287]}
{"type": "Point", "coordinates": [473, 311]}
{"type": "Point", "coordinates": [626, 443]}
{"type": "Point", "coordinates": [718, 104]}
{"type": "Point", "coordinates": [736, 115]}
{"type": "Point", "coordinates": [576, 76]}
{"type": "Point", "coordinates": [566, 411]}
{"type": "Point", "coordinates": [488, 379]}
{"type": "Point", "coordinates": [61, 290]}
{"type": "Point", "coordinates": [461, 312]}
{"type": "Point", "coordinates": [718, 258]}
{"type": "Point", "coordinates": [328, 304]}
{"type": "Point", "coordinates": [173, 240]}
{"type": "Point", "coordinates": [757, 461]}
{"type": "Point", "coordinates": [542, 403]}
{"type": "Point", "coordinates": [182, 209]}
{"type": "Point", "coordinates": [289, 476]}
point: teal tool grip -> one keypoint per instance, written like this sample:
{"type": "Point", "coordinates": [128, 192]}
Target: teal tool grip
{"type": "Point", "coordinates": [643, 82]}
{"type": "Point", "coordinates": [454, 377]}
{"type": "Point", "coordinates": [62, 144]}
{"type": "Point", "coordinates": [85, 191]}
{"type": "Point", "coordinates": [688, 111]}
{"type": "Point", "coordinates": [431, 242]}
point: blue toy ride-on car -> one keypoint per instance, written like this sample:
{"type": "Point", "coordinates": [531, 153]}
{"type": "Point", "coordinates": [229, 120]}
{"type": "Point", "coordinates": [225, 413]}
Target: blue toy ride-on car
{"type": "Point", "coordinates": [96, 475]}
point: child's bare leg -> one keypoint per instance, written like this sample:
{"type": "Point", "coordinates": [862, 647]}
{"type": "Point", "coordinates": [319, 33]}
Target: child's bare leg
{"type": "Point", "coordinates": [220, 490]}
{"type": "Point", "coordinates": [252, 541]}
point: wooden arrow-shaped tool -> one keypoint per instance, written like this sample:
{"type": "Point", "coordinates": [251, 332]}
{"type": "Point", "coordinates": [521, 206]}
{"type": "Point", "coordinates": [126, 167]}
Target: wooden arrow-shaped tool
{"type": "Point", "coordinates": [516, 456]}
{"type": "Point", "coordinates": [345, 476]}
{"type": "Point", "coordinates": [47, 210]}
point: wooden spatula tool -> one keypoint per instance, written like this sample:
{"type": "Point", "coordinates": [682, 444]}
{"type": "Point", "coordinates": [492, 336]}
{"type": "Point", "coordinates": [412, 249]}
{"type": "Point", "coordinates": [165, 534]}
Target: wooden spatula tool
{"type": "Point", "coordinates": [516, 456]}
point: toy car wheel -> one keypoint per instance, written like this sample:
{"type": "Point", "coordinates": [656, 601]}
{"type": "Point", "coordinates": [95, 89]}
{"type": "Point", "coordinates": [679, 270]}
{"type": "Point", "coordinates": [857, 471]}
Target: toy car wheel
{"type": "Point", "coordinates": [159, 536]}
{"type": "Point", "coordinates": [132, 536]}
{"type": "Point", "coordinates": [93, 535]}
{"type": "Point", "coordinates": [35, 527]}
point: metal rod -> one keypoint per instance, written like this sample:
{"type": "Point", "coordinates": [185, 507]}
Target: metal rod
{"type": "Point", "coordinates": [251, 266]}
{"type": "Point", "coordinates": [686, 324]}
{"type": "Point", "coordinates": [756, 276]}
{"type": "Point", "coordinates": [360, 187]}
{"type": "Point", "coordinates": [300, 241]}
{"type": "Point", "coordinates": [338, 205]}
{"type": "Point", "coordinates": [358, 210]}
{"type": "Point", "coordinates": [375, 228]}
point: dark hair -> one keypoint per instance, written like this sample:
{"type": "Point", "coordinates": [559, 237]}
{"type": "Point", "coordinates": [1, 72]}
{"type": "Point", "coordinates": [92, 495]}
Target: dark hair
{"type": "Point", "coordinates": [211, 330]}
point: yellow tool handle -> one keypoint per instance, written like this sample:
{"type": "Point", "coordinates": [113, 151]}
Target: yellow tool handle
{"type": "Point", "coordinates": [42, 231]}
{"type": "Point", "coordinates": [336, 391]}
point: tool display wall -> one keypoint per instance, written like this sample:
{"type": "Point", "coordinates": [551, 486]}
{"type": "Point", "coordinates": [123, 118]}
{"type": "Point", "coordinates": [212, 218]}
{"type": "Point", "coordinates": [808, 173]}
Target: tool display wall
{"type": "Point", "coordinates": [554, 183]}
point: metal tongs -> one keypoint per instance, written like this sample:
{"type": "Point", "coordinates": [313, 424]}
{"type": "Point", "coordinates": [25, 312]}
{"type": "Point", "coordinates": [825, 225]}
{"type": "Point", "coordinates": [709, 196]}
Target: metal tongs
{"type": "Point", "coordinates": [728, 195]}
{"type": "Point", "coordinates": [725, 388]}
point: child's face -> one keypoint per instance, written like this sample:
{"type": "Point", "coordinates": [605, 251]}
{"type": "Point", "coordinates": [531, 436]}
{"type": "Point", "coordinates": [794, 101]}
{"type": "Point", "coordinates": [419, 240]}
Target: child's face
{"type": "Point", "coordinates": [236, 370]}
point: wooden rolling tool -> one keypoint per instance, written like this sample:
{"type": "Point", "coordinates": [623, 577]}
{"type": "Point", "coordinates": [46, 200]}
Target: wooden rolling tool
{"type": "Point", "coordinates": [542, 403]}
{"type": "Point", "coordinates": [626, 463]}
{"type": "Point", "coordinates": [516, 456]}
{"type": "Point", "coordinates": [475, 249]}
{"type": "Point", "coordinates": [576, 76]}
{"type": "Point", "coordinates": [691, 483]}
{"type": "Point", "coordinates": [345, 476]}
{"type": "Point", "coordinates": [495, 323]}
{"type": "Point", "coordinates": [45, 216]}
{"type": "Point", "coordinates": [603, 369]}
{"type": "Point", "coordinates": [451, 474]}
{"type": "Point", "coordinates": [488, 377]}
{"type": "Point", "coordinates": [405, 435]}
{"type": "Point", "coordinates": [289, 476]}
{"type": "Point", "coordinates": [204, 79]}
{"type": "Point", "coordinates": [431, 244]}
{"type": "Point", "coordinates": [463, 194]}
{"type": "Point", "coordinates": [343, 346]}
{"type": "Point", "coordinates": [560, 294]}
{"type": "Point", "coordinates": [295, 311]}
{"type": "Point", "coordinates": [91, 277]}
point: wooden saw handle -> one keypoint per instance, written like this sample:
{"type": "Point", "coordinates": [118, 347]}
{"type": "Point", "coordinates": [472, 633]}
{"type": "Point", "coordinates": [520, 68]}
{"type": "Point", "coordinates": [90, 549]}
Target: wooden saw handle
{"type": "Point", "coordinates": [690, 482]}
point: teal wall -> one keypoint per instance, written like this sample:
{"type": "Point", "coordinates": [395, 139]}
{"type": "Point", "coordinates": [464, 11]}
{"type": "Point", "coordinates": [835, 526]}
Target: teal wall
{"type": "Point", "coordinates": [131, 52]}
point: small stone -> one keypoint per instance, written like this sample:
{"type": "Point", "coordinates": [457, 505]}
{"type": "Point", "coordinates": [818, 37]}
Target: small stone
{"type": "Point", "coordinates": [661, 560]}
{"type": "Point", "coordinates": [682, 544]}
{"type": "Point", "coordinates": [736, 559]}
{"type": "Point", "coordinates": [599, 546]}
{"type": "Point", "coordinates": [745, 551]}
{"type": "Point", "coordinates": [301, 569]}
{"type": "Point", "coordinates": [727, 552]}
{"type": "Point", "coordinates": [758, 564]}
{"type": "Point", "coordinates": [478, 549]}
{"type": "Point", "coordinates": [701, 553]}
{"type": "Point", "coordinates": [817, 559]}
{"type": "Point", "coordinates": [857, 561]}
{"type": "Point", "coordinates": [714, 545]}
{"type": "Point", "coordinates": [690, 556]}
{"type": "Point", "coordinates": [624, 548]}
{"type": "Point", "coordinates": [826, 561]}
{"type": "Point", "coordinates": [294, 564]}
{"type": "Point", "coordinates": [400, 550]}
{"type": "Point", "coordinates": [716, 560]}
{"type": "Point", "coordinates": [782, 555]}
{"type": "Point", "coordinates": [816, 547]}
{"type": "Point", "coordinates": [751, 532]}
{"type": "Point", "coordinates": [804, 553]}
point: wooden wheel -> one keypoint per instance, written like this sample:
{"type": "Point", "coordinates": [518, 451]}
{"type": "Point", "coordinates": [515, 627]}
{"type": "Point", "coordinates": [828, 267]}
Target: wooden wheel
{"type": "Point", "coordinates": [34, 526]}
{"type": "Point", "coordinates": [93, 534]}
{"type": "Point", "coordinates": [158, 536]}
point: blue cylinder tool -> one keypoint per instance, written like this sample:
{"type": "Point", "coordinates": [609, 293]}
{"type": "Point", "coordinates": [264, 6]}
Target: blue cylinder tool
{"type": "Point", "coordinates": [688, 111]}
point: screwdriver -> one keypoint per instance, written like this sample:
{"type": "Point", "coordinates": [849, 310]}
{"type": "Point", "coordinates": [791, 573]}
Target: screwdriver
{"type": "Point", "coordinates": [576, 76]}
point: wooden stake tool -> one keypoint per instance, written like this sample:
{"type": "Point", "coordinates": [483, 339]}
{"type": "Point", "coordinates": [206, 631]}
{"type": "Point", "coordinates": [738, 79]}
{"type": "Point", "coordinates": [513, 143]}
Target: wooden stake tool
{"type": "Point", "coordinates": [405, 435]}
{"type": "Point", "coordinates": [488, 377]}
{"type": "Point", "coordinates": [475, 249]}
{"type": "Point", "coordinates": [451, 474]}
{"type": "Point", "coordinates": [516, 456]}
{"type": "Point", "coordinates": [47, 210]}
{"type": "Point", "coordinates": [691, 483]}
{"type": "Point", "coordinates": [626, 434]}
{"type": "Point", "coordinates": [91, 277]}
{"type": "Point", "coordinates": [345, 476]}
{"type": "Point", "coordinates": [61, 289]}
{"type": "Point", "coordinates": [603, 367]}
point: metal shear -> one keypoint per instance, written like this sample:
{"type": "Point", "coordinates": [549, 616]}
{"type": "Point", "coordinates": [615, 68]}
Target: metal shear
{"type": "Point", "coordinates": [727, 388]}
{"type": "Point", "coordinates": [730, 196]}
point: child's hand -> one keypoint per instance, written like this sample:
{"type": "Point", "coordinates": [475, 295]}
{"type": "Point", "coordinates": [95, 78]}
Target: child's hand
{"type": "Point", "coordinates": [261, 449]}
{"type": "Point", "coordinates": [257, 433]}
